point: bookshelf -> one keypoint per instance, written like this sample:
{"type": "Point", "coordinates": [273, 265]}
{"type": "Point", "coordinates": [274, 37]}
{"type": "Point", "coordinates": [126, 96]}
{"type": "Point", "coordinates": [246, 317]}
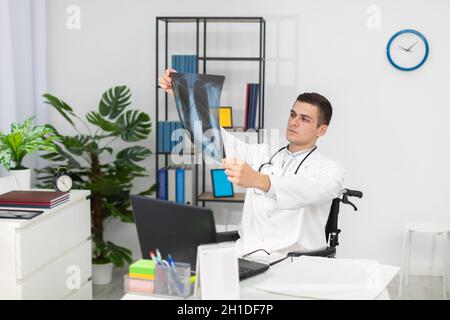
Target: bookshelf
{"type": "Point", "coordinates": [162, 63]}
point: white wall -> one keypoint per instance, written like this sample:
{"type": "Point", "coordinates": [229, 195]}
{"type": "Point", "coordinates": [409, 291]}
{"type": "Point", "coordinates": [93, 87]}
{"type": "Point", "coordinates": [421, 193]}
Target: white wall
{"type": "Point", "coordinates": [389, 127]}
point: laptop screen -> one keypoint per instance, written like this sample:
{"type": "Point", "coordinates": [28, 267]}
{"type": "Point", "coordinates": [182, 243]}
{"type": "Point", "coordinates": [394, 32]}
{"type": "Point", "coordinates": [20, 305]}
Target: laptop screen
{"type": "Point", "coordinates": [172, 228]}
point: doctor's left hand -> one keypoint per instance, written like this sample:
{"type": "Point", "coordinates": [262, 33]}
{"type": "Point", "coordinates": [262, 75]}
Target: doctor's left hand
{"type": "Point", "coordinates": [241, 174]}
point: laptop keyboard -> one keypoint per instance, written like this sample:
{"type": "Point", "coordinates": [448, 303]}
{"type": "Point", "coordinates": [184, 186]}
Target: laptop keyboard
{"type": "Point", "coordinates": [249, 268]}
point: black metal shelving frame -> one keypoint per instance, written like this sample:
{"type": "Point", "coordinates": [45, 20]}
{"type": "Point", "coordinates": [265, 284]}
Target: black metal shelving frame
{"type": "Point", "coordinates": [203, 22]}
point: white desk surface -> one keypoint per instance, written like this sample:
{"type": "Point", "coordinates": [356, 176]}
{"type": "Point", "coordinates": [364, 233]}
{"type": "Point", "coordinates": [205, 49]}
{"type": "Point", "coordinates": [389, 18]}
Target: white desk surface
{"type": "Point", "coordinates": [248, 290]}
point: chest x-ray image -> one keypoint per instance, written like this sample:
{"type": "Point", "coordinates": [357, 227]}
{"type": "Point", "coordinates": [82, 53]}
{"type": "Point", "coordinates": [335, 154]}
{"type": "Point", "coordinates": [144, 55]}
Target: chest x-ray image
{"type": "Point", "coordinates": [197, 98]}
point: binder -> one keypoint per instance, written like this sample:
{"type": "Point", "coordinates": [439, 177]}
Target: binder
{"type": "Point", "coordinates": [171, 184]}
{"type": "Point", "coordinates": [160, 136]}
{"type": "Point", "coordinates": [256, 108]}
{"type": "Point", "coordinates": [254, 92]}
{"type": "Point", "coordinates": [189, 179]}
{"type": "Point", "coordinates": [162, 184]}
{"type": "Point", "coordinates": [247, 98]}
{"type": "Point", "coordinates": [250, 100]}
{"type": "Point", "coordinates": [174, 62]}
{"type": "Point", "coordinates": [180, 187]}
{"type": "Point", "coordinates": [188, 63]}
{"type": "Point", "coordinates": [184, 63]}
{"type": "Point", "coordinates": [171, 138]}
{"type": "Point", "coordinates": [166, 140]}
{"type": "Point", "coordinates": [178, 126]}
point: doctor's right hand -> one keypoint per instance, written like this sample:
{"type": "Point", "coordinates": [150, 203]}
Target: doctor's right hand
{"type": "Point", "coordinates": [165, 81]}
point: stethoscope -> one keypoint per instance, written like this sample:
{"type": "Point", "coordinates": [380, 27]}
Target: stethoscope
{"type": "Point", "coordinates": [273, 156]}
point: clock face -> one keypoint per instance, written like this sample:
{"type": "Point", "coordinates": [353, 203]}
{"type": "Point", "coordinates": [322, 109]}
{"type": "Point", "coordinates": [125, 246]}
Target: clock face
{"type": "Point", "coordinates": [64, 183]}
{"type": "Point", "coordinates": [407, 50]}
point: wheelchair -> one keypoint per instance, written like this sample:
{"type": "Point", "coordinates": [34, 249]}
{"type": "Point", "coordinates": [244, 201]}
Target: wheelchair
{"type": "Point", "coordinates": [331, 228]}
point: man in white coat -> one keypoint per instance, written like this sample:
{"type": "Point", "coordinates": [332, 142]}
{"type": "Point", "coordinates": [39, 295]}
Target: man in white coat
{"type": "Point", "coordinates": [289, 192]}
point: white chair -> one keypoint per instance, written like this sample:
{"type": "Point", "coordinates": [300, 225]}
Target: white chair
{"type": "Point", "coordinates": [436, 228]}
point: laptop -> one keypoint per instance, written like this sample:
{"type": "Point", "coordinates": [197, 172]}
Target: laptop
{"type": "Point", "coordinates": [178, 229]}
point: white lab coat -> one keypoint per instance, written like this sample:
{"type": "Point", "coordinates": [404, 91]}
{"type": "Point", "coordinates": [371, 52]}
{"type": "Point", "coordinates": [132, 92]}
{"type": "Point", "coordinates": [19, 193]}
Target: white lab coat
{"type": "Point", "coordinates": [292, 215]}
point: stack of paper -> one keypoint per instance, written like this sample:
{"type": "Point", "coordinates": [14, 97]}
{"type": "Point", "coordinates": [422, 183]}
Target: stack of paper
{"type": "Point", "coordinates": [325, 278]}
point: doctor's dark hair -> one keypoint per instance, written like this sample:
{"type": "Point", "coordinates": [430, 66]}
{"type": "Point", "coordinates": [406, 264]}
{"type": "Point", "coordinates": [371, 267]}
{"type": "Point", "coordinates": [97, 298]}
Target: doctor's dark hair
{"type": "Point", "coordinates": [325, 109]}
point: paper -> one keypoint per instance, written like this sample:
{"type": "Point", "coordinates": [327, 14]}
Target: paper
{"type": "Point", "coordinates": [325, 278]}
{"type": "Point", "coordinates": [217, 274]}
{"type": "Point", "coordinates": [197, 97]}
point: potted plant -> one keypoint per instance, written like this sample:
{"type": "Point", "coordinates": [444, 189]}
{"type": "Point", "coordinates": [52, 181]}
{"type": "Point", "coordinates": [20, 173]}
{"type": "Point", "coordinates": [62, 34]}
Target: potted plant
{"type": "Point", "coordinates": [107, 172]}
{"type": "Point", "coordinates": [24, 140]}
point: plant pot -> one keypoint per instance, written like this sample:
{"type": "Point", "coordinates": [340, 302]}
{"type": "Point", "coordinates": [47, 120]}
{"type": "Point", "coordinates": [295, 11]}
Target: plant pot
{"type": "Point", "coordinates": [23, 178]}
{"type": "Point", "coordinates": [102, 273]}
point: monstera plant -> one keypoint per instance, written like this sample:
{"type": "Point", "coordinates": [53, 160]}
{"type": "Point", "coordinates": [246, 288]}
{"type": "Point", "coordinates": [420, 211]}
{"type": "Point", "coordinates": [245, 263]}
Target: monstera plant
{"type": "Point", "coordinates": [95, 165]}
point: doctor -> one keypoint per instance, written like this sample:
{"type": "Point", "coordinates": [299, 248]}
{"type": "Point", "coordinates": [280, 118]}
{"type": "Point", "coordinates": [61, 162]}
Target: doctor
{"type": "Point", "coordinates": [289, 191]}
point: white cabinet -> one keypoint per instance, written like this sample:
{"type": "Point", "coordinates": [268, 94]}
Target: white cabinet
{"type": "Point", "coordinates": [49, 256]}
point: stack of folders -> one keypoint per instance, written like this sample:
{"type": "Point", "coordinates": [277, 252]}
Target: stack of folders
{"type": "Point", "coordinates": [168, 139]}
{"type": "Point", "coordinates": [185, 63]}
{"type": "Point", "coordinates": [251, 105]}
{"type": "Point", "coordinates": [177, 183]}
{"type": "Point", "coordinates": [33, 199]}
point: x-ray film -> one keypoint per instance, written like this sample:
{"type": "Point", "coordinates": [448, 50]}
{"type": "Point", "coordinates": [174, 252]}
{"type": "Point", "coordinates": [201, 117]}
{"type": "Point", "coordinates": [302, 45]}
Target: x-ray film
{"type": "Point", "coordinates": [197, 98]}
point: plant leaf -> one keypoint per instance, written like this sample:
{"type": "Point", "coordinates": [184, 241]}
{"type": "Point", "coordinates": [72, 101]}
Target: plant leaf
{"type": "Point", "coordinates": [96, 119]}
{"type": "Point", "coordinates": [63, 108]}
{"type": "Point", "coordinates": [76, 144]}
{"type": "Point", "coordinates": [105, 185]}
{"type": "Point", "coordinates": [133, 154]}
{"type": "Point", "coordinates": [149, 191]}
{"type": "Point", "coordinates": [114, 101]}
{"type": "Point", "coordinates": [60, 156]}
{"type": "Point", "coordinates": [25, 139]}
{"type": "Point", "coordinates": [134, 125]}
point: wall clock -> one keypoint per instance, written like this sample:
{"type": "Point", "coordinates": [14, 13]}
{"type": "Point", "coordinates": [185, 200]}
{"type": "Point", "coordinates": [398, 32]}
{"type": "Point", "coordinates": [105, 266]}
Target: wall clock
{"type": "Point", "coordinates": [407, 50]}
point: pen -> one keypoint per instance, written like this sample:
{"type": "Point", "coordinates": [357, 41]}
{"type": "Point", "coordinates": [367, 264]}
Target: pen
{"type": "Point", "coordinates": [158, 254]}
{"type": "Point", "coordinates": [155, 260]}
{"type": "Point", "coordinates": [161, 275]}
{"type": "Point", "coordinates": [171, 262]}
{"type": "Point", "coordinates": [179, 283]}
{"type": "Point", "coordinates": [166, 263]}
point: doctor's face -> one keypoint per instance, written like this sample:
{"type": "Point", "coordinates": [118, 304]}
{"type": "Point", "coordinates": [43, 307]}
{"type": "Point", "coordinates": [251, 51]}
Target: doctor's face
{"type": "Point", "coordinates": [302, 128]}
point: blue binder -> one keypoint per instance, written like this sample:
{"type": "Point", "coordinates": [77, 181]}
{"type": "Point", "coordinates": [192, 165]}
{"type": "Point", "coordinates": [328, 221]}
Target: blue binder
{"type": "Point", "coordinates": [180, 140]}
{"type": "Point", "coordinates": [160, 136]}
{"type": "Point", "coordinates": [171, 130]}
{"type": "Point", "coordinates": [254, 94]}
{"type": "Point", "coordinates": [162, 184]}
{"type": "Point", "coordinates": [166, 138]}
{"type": "Point", "coordinates": [179, 178]}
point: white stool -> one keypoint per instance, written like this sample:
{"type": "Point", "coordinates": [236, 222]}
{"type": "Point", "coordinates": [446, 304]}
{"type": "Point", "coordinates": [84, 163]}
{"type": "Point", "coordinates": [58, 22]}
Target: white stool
{"type": "Point", "coordinates": [425, 227]}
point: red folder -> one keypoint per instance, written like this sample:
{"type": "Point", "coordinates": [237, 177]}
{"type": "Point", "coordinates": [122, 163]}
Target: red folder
{"type": "Point", "coordinates": [33, 197]}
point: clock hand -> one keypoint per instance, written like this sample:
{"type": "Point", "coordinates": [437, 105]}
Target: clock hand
{"type": "Point", "coordinates": [412, 46]}
{"type": "Point", "coordinates": [402, 47]}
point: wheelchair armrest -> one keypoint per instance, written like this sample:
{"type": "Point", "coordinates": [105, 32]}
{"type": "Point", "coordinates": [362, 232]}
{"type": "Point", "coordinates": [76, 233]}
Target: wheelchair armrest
{"type": "Point", "coordinates": [329, 252]}
{"type": "Point", "coordinates": [227, 236]}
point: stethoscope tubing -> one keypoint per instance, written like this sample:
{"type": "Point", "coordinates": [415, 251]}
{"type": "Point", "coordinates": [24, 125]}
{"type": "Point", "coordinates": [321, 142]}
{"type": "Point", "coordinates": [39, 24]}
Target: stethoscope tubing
{"type": "Point", "coordinates": [285, 147]}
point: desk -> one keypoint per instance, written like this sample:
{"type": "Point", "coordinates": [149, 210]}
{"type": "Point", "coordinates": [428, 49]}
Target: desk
{"type": "Point", "coordinates": [248, 290]}
{"type": "Point", "coordinates": [38, 256]}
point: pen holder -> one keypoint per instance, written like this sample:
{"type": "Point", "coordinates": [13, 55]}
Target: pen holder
{"type": "Point", "coordinates": [173, 281]}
